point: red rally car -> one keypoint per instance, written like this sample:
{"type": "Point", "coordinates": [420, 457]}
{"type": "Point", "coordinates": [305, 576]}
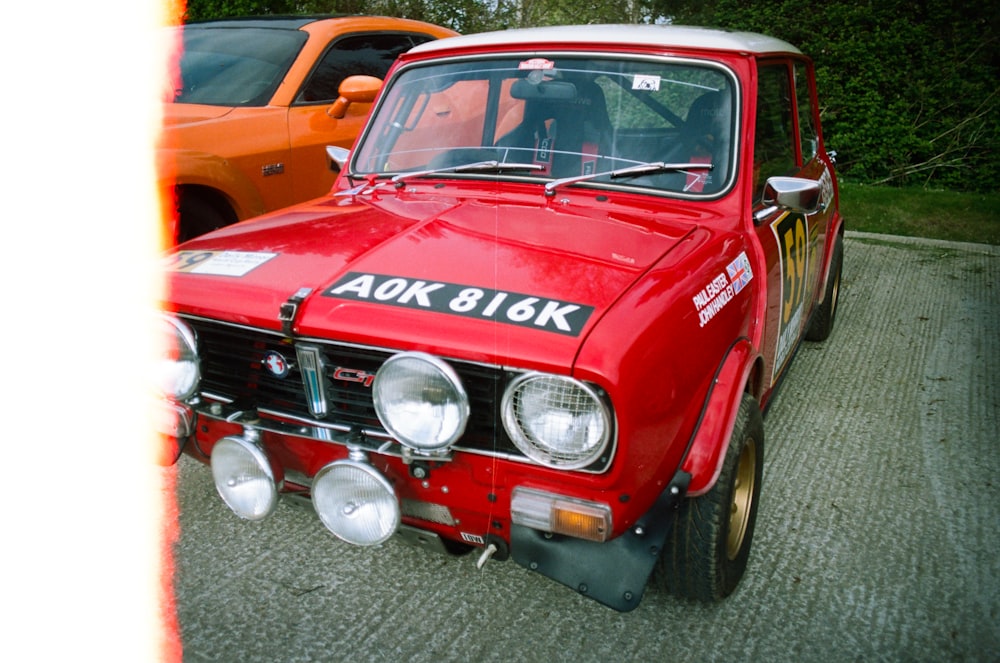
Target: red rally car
{"type": "Point", "coordinates": [555, 285]}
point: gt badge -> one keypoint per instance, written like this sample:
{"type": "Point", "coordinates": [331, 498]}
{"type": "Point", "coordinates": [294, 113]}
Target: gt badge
{"type": "Point", "coordinates": [354, 375]}
{"type": "Point", "coordinates": [275, 364]}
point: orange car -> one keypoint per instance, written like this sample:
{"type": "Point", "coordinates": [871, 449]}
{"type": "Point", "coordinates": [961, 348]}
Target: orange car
{"type": "Point", "coordinates": [250, 113]}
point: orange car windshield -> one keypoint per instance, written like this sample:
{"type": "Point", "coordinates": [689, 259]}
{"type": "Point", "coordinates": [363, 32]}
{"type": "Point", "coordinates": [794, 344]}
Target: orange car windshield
{"type": "Point", "coordinates": [234, 66]}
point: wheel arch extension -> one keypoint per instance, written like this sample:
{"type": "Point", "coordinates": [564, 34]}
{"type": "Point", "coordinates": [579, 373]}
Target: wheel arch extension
{"type": "Point", "coordinates": [837, 227]}
{"type": "Point", "coordinates": [740, 372]}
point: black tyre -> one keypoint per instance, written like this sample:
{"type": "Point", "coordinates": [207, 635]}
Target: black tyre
{"type": "Point", "coordinates": [822, 322]}
{"type": "Point", "coordinates": [707, 550]}
{"type": "Point", "coordinates": [197, 216]}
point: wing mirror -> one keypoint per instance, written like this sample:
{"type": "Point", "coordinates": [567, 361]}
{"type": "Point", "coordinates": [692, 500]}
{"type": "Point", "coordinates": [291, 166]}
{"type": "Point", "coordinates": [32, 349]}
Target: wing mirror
{"type": "Point", "coordinates": [354, 90]}
{"type": "Point", "coordinates": [794, 194]}
{"type": "Point", "coordinates": [336, 157]}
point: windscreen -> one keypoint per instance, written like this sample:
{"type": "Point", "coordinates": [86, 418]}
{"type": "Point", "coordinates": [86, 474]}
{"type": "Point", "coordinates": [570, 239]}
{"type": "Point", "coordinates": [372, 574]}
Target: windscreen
{"type": "Point", "coordinates": [239, 66]}
{"type": "Point", "coordinates": [560, 117]}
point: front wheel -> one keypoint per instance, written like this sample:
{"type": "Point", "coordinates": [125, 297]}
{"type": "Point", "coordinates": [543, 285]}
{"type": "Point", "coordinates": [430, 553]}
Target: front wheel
{"type": "Point", "coordinates": [197, 215]}
{"type": "Point", "coordinates": [706, 552]}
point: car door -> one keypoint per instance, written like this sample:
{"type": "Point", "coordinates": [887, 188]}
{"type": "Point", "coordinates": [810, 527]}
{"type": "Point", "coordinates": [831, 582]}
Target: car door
{"type": "Point", "coordinates": [786, 143]}
{"type": "Point", "coordinates": [311, 129]}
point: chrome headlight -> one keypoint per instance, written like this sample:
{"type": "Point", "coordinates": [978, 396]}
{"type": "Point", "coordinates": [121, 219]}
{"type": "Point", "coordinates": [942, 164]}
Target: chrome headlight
{"type": "Point", "coordinates": [177, 370]}
{"type": "Point", "coordinates": [244, 478]}
{"type": "Point", "coordinates": [355, 502]}
{"type": "Point", "coordinates": [421, 401]}
{"type": "Point", "coordinates": [557, 421]}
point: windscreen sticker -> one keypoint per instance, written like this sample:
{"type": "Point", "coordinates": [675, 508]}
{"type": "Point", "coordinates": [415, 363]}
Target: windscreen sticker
{"type": "Point", "coordinates": [645, 82]}
{"type": "Point", "coordinates": [219, 263]}
{"type": "Point", "coordinates": [722, 289]}
{"type": "Point", "coordinates": [483, 303]}
{"type": "Point", "coordinates": [536, 64]}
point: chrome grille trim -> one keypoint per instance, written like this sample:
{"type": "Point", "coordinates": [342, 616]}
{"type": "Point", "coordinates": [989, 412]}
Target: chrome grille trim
{"type": "Point", "coordinates": [311, 367]}
{"type": "Point", "coordinates": [234, 378]}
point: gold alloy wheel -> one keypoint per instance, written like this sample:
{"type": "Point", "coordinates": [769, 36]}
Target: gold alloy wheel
{"type": "Point", "coordinates": [743, 491]}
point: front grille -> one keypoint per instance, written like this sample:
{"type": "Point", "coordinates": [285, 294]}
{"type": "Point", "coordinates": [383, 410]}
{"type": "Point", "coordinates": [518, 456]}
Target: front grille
{"type": "Point", "coordinates": [233, 368]}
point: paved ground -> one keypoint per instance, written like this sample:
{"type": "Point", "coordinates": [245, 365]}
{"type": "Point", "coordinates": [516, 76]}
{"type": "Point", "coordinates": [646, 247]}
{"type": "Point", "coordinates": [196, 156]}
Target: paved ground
{"type": "Point", "coordinates": [878, 537]}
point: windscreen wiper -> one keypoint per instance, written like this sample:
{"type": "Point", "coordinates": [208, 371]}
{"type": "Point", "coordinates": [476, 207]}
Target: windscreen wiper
{"type": "Point", "coordinates": [399, 180]}
{"type": "Point", "coordinates": [631, 171]}
{"type": "Point", "coordinates": [489, 166]}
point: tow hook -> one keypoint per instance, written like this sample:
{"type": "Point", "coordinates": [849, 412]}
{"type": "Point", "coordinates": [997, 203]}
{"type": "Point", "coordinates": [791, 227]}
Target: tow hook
{"type": "Point", "coordinates": [488, 552]}
{"type": "Point", "coordinates": [496, 548]}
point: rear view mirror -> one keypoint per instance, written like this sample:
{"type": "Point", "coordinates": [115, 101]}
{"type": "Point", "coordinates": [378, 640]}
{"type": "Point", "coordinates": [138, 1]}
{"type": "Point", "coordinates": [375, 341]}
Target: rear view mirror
{"type": "Point", "coordinates": [550, 90]}
{"type": "Point", "coordinates": [354, 90]}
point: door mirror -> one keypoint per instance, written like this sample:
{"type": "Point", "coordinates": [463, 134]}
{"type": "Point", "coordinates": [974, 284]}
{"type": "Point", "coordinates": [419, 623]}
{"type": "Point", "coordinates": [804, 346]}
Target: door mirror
{"type": "Point", "coordinates": [336, 157]}
{"type": "Point", "coordinates": [354, 90]}
{"type": "Point", "coordinates": [793, 194]}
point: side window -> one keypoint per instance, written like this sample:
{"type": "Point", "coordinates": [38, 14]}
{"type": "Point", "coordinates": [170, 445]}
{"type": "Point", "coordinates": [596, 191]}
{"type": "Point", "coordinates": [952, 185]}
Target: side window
{"type": "Point", "coordinates": [368, 54]}
{"type": "Point", "coordinates": [808, 136]}
{"type": "Point", "coordinates": [774, 140]}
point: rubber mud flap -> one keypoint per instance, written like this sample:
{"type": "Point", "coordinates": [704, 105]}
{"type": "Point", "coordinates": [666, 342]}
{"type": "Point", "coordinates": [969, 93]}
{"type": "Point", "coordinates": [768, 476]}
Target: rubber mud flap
{"type": "Point", "coordinates": [615, 572]}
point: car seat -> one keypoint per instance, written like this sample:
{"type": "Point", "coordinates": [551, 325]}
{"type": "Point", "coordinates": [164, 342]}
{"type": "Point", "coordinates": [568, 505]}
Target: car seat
{"type": "Point", "coordinates": [564, 135]}
{"type": "Point", "coordinates": [705, 138]}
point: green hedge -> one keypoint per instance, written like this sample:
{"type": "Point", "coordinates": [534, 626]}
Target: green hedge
{"type": "Point", "coordinates": [909, 89]}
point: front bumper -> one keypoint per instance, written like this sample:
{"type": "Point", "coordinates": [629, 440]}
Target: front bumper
{"type": "Point", "coordinates": [614, 573]}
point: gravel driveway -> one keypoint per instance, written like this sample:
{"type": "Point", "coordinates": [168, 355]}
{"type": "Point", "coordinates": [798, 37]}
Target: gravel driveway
{"type": "Point", "coordinates": [878, 536]}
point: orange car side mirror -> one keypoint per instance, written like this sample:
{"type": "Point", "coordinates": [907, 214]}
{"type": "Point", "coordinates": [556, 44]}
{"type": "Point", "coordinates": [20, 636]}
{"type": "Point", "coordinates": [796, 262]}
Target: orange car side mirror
{"type": "Point", "coordinates": [354, 90]}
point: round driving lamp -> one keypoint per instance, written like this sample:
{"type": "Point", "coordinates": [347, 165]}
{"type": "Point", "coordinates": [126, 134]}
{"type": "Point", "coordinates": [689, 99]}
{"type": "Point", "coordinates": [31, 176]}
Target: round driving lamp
{"type": "Point", "coordinates": [244, 478]}
{"type": "Point", "coordinates": [177, 369]}
{"type": "Point", "coordinates": [355, 502]}
{"type": "Point", "coordinates": [556, 421]}
{"type": "Point", "coordinates": [421, 401]}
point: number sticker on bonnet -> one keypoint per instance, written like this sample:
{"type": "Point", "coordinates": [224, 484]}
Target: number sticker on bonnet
{"type": "Point", "coordinates": [219, 263]}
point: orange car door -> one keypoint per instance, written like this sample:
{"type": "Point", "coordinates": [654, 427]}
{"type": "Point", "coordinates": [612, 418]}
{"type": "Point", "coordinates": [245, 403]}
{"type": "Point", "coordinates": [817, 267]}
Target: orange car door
{"type": "Point", "coordinates": [310, 127]}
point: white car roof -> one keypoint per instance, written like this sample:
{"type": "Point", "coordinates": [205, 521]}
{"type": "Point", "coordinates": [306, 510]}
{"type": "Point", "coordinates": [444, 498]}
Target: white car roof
{"type": "Point", "coordinates": [647, 35]}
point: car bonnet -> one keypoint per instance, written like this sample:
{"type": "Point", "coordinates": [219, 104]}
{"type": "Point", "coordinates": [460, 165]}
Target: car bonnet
{"type": "Point", "coordinates": [476, 278]}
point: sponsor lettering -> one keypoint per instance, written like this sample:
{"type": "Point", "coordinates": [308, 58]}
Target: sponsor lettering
{"type": "Point", "coordinates": [720, 290]}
